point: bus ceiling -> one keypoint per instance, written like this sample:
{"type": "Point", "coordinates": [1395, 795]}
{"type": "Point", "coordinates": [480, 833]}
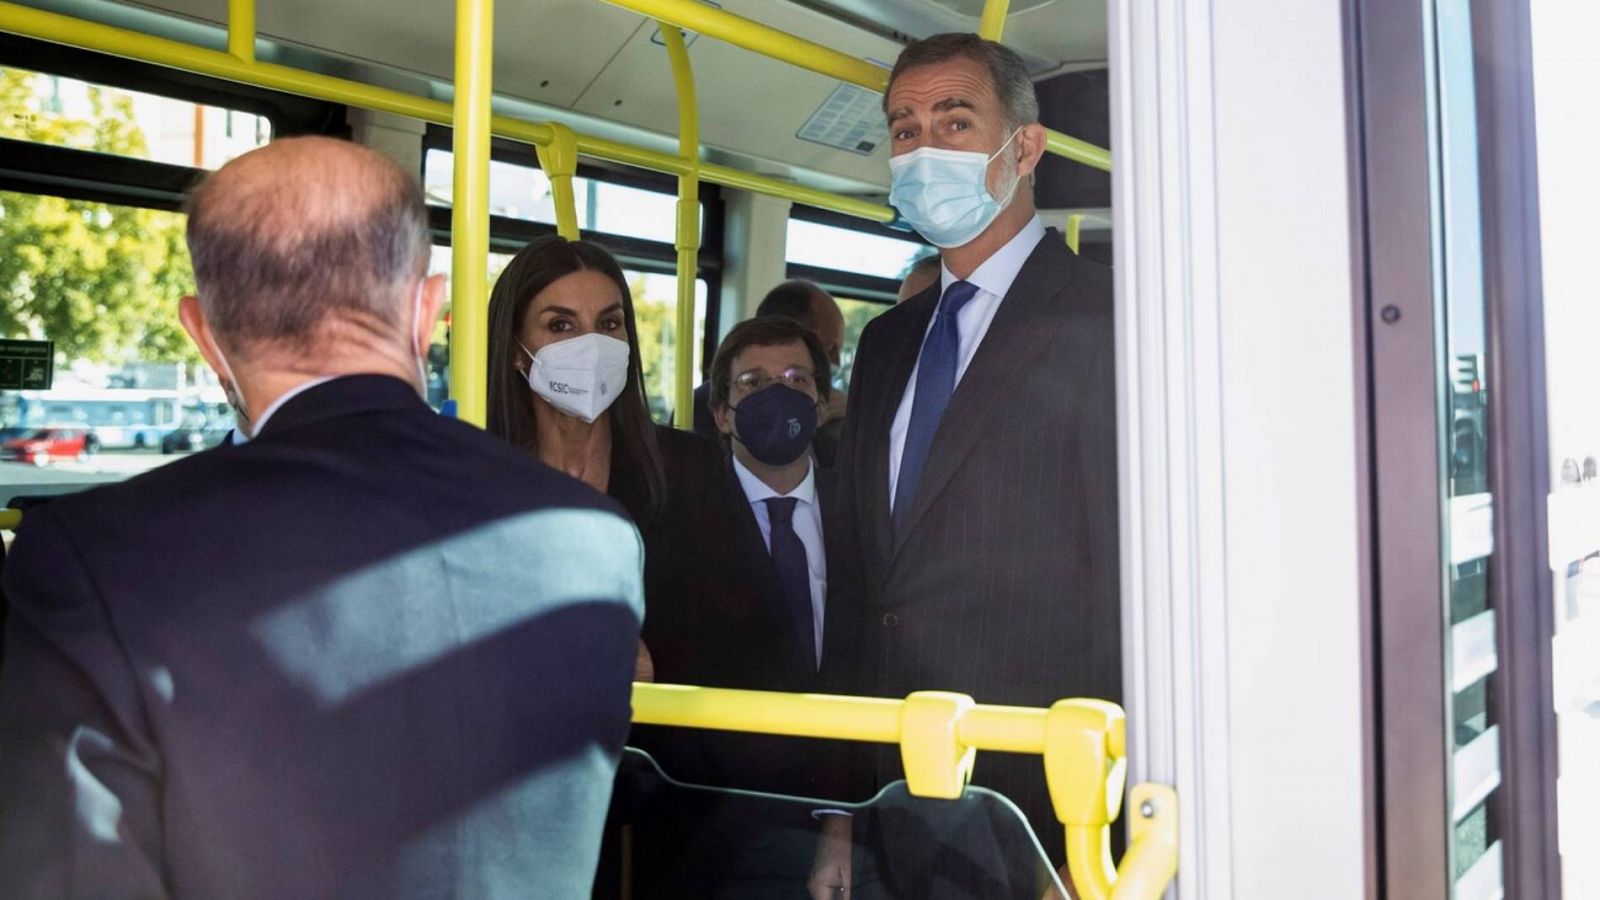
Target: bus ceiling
{"type": "Point", "coordinates": [602, 69]}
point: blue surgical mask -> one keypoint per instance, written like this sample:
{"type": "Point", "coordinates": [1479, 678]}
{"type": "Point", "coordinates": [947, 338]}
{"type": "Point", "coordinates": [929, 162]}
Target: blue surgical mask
{"type": "Point", "coordinates": [776, 424]}
{"type": "Point", "coordinates": [944, 194]}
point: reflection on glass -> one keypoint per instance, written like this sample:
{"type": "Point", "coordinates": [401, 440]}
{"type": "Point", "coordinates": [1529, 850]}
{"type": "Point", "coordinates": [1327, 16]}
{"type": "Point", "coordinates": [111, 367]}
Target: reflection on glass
{"type": "Point", "coordinates": [1473, 753]}
{"type": "Point", "coordinates": [67, 112]}
{"type": "Point", "coordinates": [690, 841]}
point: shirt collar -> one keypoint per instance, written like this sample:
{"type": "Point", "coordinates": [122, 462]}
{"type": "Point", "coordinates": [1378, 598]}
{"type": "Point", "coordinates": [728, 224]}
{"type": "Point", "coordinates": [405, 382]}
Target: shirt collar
{"type": "Point", "coordinates": [239, 437]}
{"type": "Point", "coordinates": [1000, 269]}
{"type": "Point", "coordinates": [757, 490]}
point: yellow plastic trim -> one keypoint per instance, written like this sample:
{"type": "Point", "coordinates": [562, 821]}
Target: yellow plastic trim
{"type": "Point", "coordinates": [1083, 742]}
{"type": "Point", "coordinates": [10, 519]}
{"type": "Point", "coordinates": [936, 761]}
{"type": "Point", "coordinates": [469, 216]}
{"type": "Point", "coordinates": [559, 160]}
{"type": "Point", "coordinates": [688, 230]}
{"type": "Point", "coordinates": [1151, 861]}
{"type": "Point", "coordinates": [242, 29]}
{"type": "Point", "coordinates": [72, 32]}
{"type": "Point", "coordinates": [1074, 231]}
{"type": "Point", "coordinates": [993, 23]}
{"type": "Point", "coordinates": [693, 15]}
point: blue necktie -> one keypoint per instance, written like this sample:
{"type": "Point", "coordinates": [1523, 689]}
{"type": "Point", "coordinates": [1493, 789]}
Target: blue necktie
{"type": "Point", "coordinates": [794, 575]}
{"type": "Point", "coordinates": [936, 381]}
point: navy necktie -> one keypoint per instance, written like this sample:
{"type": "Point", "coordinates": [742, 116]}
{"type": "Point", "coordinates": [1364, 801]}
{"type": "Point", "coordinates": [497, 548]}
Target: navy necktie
{"type": "Point", "coordinates": [794, 575]}
{"type": "Point", "coordinates": [936, 381]}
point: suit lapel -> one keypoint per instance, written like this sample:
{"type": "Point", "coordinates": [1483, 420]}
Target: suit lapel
{"type": "Point", "coordinates": [1026, 324]}
{"type": "Point", "coordinates": [907, 347]}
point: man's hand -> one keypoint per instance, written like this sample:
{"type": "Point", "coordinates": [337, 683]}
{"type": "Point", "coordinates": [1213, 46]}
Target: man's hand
{"type": "Point", "coordinates": [830, 868]}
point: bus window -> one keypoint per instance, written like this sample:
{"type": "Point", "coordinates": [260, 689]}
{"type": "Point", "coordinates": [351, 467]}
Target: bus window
{"type": "Point", "coordinates": [67, 112]}
{"type": "Point", "coordinates": [523, 192]}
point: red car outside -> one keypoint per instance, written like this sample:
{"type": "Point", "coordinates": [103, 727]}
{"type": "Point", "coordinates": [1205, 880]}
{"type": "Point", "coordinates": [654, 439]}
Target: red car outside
{"type": "Point", "coordinates": [46, 444]}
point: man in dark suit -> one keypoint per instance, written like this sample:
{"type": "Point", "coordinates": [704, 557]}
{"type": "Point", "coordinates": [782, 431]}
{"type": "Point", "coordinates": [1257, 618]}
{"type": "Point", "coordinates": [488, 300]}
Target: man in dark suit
{"type": "Point", "coordinates": [976, 549]}
{"type": "Point", "coordinates": [815, 308]}
{"type": "Point", "coordinates": [369, 652]}
{"type": "Point", "coordinates": [768, 380]}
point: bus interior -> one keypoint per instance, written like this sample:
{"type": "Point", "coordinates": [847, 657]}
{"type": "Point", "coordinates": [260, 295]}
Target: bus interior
{"type": "Point", "coordinates": [1359, 522]}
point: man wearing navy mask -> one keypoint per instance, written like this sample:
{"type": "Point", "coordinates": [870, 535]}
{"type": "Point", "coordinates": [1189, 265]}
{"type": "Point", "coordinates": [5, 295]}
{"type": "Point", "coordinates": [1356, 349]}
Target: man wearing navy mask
{"type": "Point", "coordinates": [767, 381]}
{"type": "Point", "coordinates": [976, 547]}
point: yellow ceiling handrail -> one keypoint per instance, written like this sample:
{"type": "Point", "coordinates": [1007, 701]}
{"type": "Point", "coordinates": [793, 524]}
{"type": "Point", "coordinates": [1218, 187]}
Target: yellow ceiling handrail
{"type": "Point", "coordinates": [692, 15]}
{"type": "Point", "coordinates": [559, 160]}
{"type": "Point", "coordinates": [687, 234]}
{"type": "Point", "coordinates": [81, 33]}
{"type": "Point", "coordinates": [1083, 742]}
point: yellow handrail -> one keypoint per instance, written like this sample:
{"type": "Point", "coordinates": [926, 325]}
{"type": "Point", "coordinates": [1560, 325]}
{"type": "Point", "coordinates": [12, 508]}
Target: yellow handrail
{"type": "Point", "coordinates": [242, 29]}
{"type": "Point", "coordinates": [993, 23]}
{"type": "Point", "coordinates": [712, 21]}
{"type": "Point", "coordinates": [10, 519]}
{"type": "Point", "coordinates": [72, 32]}
{"type": "Point", "coordinates": [559, 160]}
{"type": "Point", "coordinates": [688, 230]}
{"type": "Point", "coordinates": [1083, 743]}
{"type": "Point", "coordinates": [469, 216]}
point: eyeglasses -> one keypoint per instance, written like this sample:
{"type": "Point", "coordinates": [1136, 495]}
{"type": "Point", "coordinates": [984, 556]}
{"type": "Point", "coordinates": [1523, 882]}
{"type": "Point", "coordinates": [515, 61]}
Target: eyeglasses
{"type": "Point", "coordinates": [756, 379]}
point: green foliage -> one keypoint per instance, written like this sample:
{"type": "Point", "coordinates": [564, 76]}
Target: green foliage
{"type": "Point", "coordinates": [654, 318]}
{"type": "Point", "coordinates": [102, 281]}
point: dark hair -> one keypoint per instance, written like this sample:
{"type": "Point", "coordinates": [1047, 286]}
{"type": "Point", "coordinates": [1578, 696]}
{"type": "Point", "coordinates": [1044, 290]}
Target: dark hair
{"type": "Point", "coordinates": [1008, 74]}
{"type": "Point", "coordinates": [538, 265]}
{"type": "Point", "coordinates": [270, 263]}
{"type": "Point", "coordinates": [795, 299]}
{"type": "Point", "coordinates": [766, 331]}
{"type": "Point", "coordinates": [922, 265]}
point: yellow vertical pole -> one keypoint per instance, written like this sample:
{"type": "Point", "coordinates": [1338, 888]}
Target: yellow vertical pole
{"type": "Point", "coordinates": [469, 216]}
{"type": "Point", "coordinates": [993, 23]}
{"type": "Point", "coordinates": [688, 237]}
{"type": "Point", "coordinates": [1074, 231]}
{"type": "Point", "coordinates": [559, 160]}
{"type": "Point", "coordinates": [242, 29]}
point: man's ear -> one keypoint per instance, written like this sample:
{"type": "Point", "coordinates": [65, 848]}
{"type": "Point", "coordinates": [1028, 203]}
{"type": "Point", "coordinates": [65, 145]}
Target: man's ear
{"type": "Point", "coordinates": [433, 299]}
{"type": "Point", "coordinates": [1031, 141]}
{"type": "Point", "coordinates": [723, 415]}
{"type": "Point", "coordinates": [194, 322]}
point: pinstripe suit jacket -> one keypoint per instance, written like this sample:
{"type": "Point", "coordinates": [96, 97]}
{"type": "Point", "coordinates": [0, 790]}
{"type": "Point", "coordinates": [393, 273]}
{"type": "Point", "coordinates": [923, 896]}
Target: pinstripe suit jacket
{"type": "Point", "coordinates": [1003, 585]}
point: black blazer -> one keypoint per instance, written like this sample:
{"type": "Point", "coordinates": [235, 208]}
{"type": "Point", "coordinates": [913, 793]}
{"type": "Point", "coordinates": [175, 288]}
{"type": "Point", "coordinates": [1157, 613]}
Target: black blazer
{"type": "Point", "coordinates": [1004, 583]}
{"type": "Point", "coordinates": [705, 620]}
{"type": "Point", "coordinates": [373, 652]}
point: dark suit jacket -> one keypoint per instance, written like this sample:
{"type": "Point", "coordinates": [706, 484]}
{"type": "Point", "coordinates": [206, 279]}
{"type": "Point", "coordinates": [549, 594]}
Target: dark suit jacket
{"type": "Point", "coordinates": [372, 653]}
{"type": "Point", "coordinates": [1004, 583]}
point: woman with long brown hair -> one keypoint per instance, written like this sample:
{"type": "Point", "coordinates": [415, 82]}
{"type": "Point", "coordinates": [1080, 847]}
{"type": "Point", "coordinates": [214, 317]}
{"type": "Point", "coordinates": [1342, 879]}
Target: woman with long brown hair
{"type": "Point", "coordinates": [566, 384]}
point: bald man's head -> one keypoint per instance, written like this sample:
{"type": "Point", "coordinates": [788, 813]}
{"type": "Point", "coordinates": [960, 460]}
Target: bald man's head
{"type": "Point", "coordinates": [301, 232]}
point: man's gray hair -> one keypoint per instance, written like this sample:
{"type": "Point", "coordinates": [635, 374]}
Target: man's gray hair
{"type": "Point", "coordinates": [276, 253]}
{"type": "Point", "coordinates": [1019, 104]}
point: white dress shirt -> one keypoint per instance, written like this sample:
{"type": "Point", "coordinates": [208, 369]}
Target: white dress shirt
{"type": "Point", "coordinates": [239, 437]}
{"type": "Point", "coordinates": [807, 525]}
{"type": "Point", "coordinates": [993, 280]}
